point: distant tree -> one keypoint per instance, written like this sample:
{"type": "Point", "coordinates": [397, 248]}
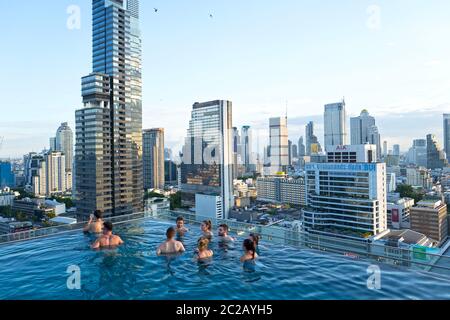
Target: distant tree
{"type": "Point", "coordinates": [175, 201]}
{"type": "Point", "coordinates": [67, 201]}
{"type": "Point", "coordinates": [407, 191]}
{"type": "Point", "coordinates": [151, 194]}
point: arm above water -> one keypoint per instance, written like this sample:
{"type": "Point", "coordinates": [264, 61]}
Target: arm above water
{"type": "Point", "coordinates": [96, 244]}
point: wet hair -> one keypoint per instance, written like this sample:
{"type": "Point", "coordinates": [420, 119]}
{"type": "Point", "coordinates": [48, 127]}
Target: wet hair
{"type": "Point", "coordinates": [249, 245]}
{"type": "Point", "coordinates": [203, 243]}
{"type": "Point", "coordinates": [170, 233]}
{"type": "Point", "coordinates": [98, 214]}
{"type": "Point", "coordinates": [108, 226]}
{"type": "Point", "coordinates": [180, 218]}
{"type": "Point", "coordinates": [208, 224]}
{"type": "Point", "coordinates": [255, 237]}
{"type": "Point", "coordinates": [225, 227]}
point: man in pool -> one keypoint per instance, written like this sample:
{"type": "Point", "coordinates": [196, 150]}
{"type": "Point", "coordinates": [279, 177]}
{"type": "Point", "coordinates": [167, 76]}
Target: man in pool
{"type": "Point", "coordinates": [170, 246]}
{"type": "Point", "coordinates": [95, 224]}
{"type": "Point", "coordinates": [223, 233]}
{"type": "Point", "coordinates": [181, 229]}
{"type": "Point", "coordinates": [107, 239]}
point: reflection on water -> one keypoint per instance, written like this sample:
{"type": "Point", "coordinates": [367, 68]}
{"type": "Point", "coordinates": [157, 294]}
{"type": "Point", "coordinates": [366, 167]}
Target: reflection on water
{"type": "Point", "coordinates": [37, 270]}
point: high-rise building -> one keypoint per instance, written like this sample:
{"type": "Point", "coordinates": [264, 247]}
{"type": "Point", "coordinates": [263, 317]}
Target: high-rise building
{"type": "Point", "coordinates": [312, 143]}
{"type": "Point", "coordinates": [364, 130]}
{"type": "Point", "coordinates": [153, 159]}
{"type": "Point", "coordinates": [430, 218]}
{"type": "Point", "coordinates": [108, 153]}
{"type": "Point", "coordinates": [447, 135]}
{"type": "Point", "coordinates": [396, 150]}
{"type": "Point", "coordinates": [385, 148]}
{"type": "Point", "coordinates": [417, 154]}
{"type": "Point", "coordinates": [335, 124]}
{"type": "Point", "coordinates": [290, 153]}
{"type": "Point", "coordinates": [64, 143]}
{"type": "Point", "coordinates": [246, 145]}
{"type": "Point", "coordinates": [47, 174]}
{"type": "Point", "coordinates": [301, 148]}
{"type": "Point", "coordinates": [344, 198]}
{"type": "Point", "coordinates": [207, 162]}
{"type": "Point", "coordinates": [436, 158]}
{"type": "Point", "coordinates": [294, 151]}
{"type": "Point", "coordinates": [419, 177]}
{"type": "Point", "coordinates": [279, 145]}
{"type": "Point", "coordinates": [6, 175]}
{"type": "Point", "coordinates": [281, 190]}
{"type": "Point", "coordinates": [52, 142]}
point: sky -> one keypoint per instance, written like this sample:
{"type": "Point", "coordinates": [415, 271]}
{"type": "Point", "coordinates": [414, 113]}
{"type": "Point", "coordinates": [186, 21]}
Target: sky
{"type": "Point", "coordinates": [391, 57]}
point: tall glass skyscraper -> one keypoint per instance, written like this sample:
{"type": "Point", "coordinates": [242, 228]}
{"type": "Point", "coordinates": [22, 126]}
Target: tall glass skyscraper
{"type": "Point", "coordinates": [335, 124]}
{"type": "Point", "coordinates": [364, 130]}
{"type": "Point", "coordinates": [207, 166]}
{"type": "Point", "coordinates": [108, 153]}
{"type": "Point", "coordinates": [153, 159]}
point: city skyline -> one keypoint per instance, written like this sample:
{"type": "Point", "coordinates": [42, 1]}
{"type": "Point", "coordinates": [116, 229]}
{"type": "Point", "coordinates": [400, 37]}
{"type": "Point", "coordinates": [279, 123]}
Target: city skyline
{"type": "Point", "coordinates": [279, 72]}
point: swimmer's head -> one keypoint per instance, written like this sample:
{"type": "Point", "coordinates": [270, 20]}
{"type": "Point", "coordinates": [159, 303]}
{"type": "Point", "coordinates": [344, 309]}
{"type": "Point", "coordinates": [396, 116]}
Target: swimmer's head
{"type": "Point", "coordinates": [170, 233]}
{"type": "Point", "coordinates": [223, 230]}
{"type": "Point", "coordinates": [255, 238]}
{"type": "Point", "coordinates": [249, 246]}
{"type": "Point", "coordinates": [107, 227]}
{"type": "Point", "coordinates": [180, 222]}
{"type": "Point", "coordinates": [203, 243]}
{"type": "Point", "coordinates": [98, 214]}
{"type": "Point", "coordinates": [206, 225]}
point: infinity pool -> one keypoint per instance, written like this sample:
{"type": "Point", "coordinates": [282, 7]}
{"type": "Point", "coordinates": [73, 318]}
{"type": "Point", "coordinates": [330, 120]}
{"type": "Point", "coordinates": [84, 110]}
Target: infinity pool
{"type": "Point", "coordinates": [37, 270]}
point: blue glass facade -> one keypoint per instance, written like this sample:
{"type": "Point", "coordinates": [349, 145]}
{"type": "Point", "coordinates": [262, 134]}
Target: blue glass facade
{"type": "Point", "coordinates": [6, 175]}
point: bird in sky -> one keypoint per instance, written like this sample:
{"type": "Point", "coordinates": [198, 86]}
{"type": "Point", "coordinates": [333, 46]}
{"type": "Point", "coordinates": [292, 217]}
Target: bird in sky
{"type": "Point", "coordinates": [156, 9]}
{"type": "Point", "coordinates": [211, 16]}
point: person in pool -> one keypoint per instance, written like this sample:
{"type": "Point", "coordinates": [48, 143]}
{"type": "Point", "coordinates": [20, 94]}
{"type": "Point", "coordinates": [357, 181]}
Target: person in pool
{"type": "Point", "coordinates": [95, 224]}
{"type": "Point", "coordinates": [223, 233]}
{"type": "Point", "coordinates": [206, 228]}
{"type": "Point", "coordinates": [255, 238]}
{"type": "Point", "coordinates": [107, 239]}
{"type": "Point", "coordinates": [249, 251]}
{"type": "Point", "coordinates": [203, 252]}
{"type": "Point", "coordinates": [181, 229]}
{"type": "Point", "coordinates": [170, 246]}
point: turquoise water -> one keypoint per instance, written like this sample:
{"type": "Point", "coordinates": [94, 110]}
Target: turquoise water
{"type": "Point", "coordinates": [37, 270]}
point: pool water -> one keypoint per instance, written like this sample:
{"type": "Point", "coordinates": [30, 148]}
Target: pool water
{"type": "Point", "coordinates": [37, 270]}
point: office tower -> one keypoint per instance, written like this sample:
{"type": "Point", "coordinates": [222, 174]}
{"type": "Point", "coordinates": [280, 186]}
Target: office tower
{"type": "Point", "coordinates": [207, 163]}
{"type": "Point", "coordinates": [364, 130]}
{"type": "Point", "coordinates": [168, 154]}
{"type": "Point", "coordinates": [346, 200]}
{"type": "Point", "coordinates": [335, 124]}
{"type": "Point", "coordinates": [301, 148]}
{"type": "Point", "coordinates": [153, 159]}
{"type": "Point", "coordinates": [279, 145]}
{"type": "Point", "coordinates": [396, 150]}
{"type": "Point", "coordinates": [47, 173]}
{"type": "Point", "coordinates": [419, 177]}
{"type": "Point", "coordinates": [108, 156]}
{"type": "Point", "coordinates": [246, 142]}
{"type": "Point", "coordinates": [64, 143]}
{"type": "Point", "coordinates": [289, 152]}
{"type": "Point", "coordinates": [237, 152]}
{"type": "Point", "coordinates": [170, 172]}
{"type": "Point", "coordinates": [52, 142]}
{"type": "Point", "coordinates": [31, 163]}
{"type": "Point", "coordinates": [312, 143]}
{"type": "Point", "coordinates": [447, 135]}
{"type": "Point", "coordinates": [430, 218]}
{"type": "Point", "coordinates": [391, 181]}
{"type": "Point", "coordinates": [435, 156]}
{"type": "Point", "coordinates": [385, 148]}
{"type": "Point", "coordinates": [6, 175]}
{"type": "Point", "coordinates": [294, 151]}
{"type": "Point", "coordinates": [417, 154]}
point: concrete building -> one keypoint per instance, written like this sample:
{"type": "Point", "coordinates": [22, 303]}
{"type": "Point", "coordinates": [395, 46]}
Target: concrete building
{"type": "Point", "coordinates": [108, 151]}
{"type": "Point", "coordinates": [352, 153]}
{"type": "Point", "coordinates": [312, 143]}
{"type": "Point", "coordinates": [247, 149]}
{"type": "Point", "coordinates": [335, 124]}
{"type": "Point", "coordinates": [346, 200]}
{"type": "Point", "coordinates": [6, 197]}
{"type": "Point", "coordinates": [447, 135]}
{"type": "Point", "coordinates": [436, 158]}
{"type": "Point", "coordinates": [301, 148]}
{"type": "Point", "coordinates": [6, 175]}
{"type": "Point", "coordinates": [419, 177]}
{"type": "Point", "coordinates": [396, 150]}
{"type": "Point", "coordinates": [279, 145]}
{"type": "Point", "coordinates": [363, 130]}
{"type": "Point", "coordinates": [64, 144]}
{"type": "Point", "coordinates": [281, 190]}
{"type": "Point", "coordinates": [153, 159]}
{"type": "Point", "coordinates": [398, 213]}
{"type": "Point", "coordinates": [430, 218]}
{"type": "Point", "coordinates": [417, 154]}
{"type": "Point", "coordinates": [207, 162]}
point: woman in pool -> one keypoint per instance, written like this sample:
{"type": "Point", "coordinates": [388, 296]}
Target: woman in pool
{"type": "Point", "coordinates": [250, 254]}
{"type": "Point", "coordinates": [206, 228]}
{"type": "Point", "coordinates": [255, 238]}
{"type": "Point", "coordinates": [203, 252]}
